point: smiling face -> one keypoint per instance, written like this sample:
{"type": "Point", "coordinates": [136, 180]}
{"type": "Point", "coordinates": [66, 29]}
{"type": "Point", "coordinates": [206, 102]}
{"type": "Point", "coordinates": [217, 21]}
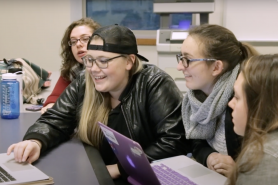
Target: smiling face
{"type": "Point", "coordinates": [115, 77]}
{"type": "Point", "coordinates": [198, 75]}
{"type": "Point", "coordinates": [239, 106]}
{"type": "Point", "coordinates": [80, 49]}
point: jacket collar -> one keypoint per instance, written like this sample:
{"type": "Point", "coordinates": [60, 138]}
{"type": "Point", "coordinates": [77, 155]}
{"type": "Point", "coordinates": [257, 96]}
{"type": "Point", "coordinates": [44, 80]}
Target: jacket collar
{"type": "Point", "coordinates": [126, 92]}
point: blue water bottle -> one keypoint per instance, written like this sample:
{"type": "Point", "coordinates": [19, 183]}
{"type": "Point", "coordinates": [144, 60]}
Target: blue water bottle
{"type": "Point", "coordinates": [10, 103]}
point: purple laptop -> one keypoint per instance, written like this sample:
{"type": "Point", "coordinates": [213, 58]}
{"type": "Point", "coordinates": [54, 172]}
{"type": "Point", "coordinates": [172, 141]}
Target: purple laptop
{"type": "Point", "coordinates": [131, 157]}
{"type": "Point", "coordinates": [172, 171]}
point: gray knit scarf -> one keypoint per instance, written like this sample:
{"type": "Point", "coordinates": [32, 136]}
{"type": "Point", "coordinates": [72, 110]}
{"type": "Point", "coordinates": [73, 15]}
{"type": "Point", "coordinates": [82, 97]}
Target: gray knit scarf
{"type": "Point", "coordinates": [199, 118]}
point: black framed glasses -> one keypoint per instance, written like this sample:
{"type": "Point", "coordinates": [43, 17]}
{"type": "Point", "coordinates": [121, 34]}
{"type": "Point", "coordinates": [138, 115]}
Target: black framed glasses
{"type": "Point", "coordinates": [185, 61]}
{"type": "Point", "coordinates": [83, 40]}
{"type": "Point", "coordinates": [101, 62]}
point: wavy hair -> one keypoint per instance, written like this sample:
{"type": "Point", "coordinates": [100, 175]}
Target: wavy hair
{"type": "Point", "coordinates": [68, 60]}
{"type": "Point", "coordinates": [96, 107]}
{"type": "Point", "coordinates": [220, 43]}
{"type": "Point", "coordinates": [260, 88]}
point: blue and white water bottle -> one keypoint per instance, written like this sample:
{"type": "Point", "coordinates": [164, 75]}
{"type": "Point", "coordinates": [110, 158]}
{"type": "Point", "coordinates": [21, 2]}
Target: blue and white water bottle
{"type": "Point", "coordinates": [10, 101]}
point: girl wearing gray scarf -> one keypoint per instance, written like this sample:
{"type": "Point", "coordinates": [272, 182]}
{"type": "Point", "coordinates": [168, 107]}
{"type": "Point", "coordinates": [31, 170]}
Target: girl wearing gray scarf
{"type": "Point", "coordinates": [210, 60]}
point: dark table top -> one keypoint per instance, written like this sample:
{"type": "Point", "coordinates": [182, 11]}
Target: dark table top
{"type": "Point", "coordinates": [70, 163]}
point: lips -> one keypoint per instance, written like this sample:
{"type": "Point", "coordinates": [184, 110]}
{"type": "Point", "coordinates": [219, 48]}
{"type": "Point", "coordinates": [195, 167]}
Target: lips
{"type": "Point", "coordinates": [98, 78]}
{"type": "Point", "coordinates": [81, 53]}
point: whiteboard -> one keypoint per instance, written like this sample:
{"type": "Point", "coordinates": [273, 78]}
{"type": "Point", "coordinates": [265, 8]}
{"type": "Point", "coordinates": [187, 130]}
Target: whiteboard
{"type": "Point", "coordinates": [252, 20]}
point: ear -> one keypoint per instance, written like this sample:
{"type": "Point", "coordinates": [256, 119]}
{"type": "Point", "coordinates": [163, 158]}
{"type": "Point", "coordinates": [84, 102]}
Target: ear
{"type": "Point", "coordinates": [130, 61]}
{"type": "Point", "coordinates": [217, 67]}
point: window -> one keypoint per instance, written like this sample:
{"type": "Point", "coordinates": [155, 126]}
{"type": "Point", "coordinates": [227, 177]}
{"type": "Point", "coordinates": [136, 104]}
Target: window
{"type": "Point", "coordinates": [134, 14]}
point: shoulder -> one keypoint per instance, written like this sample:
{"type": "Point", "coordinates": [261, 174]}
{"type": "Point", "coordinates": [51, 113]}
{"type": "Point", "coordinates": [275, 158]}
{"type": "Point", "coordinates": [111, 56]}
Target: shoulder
{"type": "Point", "coordinates": [271, 145]}
{"type": "Point", "coordinates": [270, 158]}
{"type": "Point", "coordinates": [152, 72]}
{"type": "Point", "coordinates": [151, 81]}
{"type": "Point", "coordinates": [81, 75]}
{"type": "Point", "coordinates": [80, 80]}
{"type": "Point", "coordinates": [158, 81]}
{"type": "Point", "coordinates": [265, 172]}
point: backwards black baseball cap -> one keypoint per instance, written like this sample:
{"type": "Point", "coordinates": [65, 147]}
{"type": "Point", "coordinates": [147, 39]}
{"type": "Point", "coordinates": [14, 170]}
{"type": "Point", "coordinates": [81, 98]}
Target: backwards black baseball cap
{"type": "Point", "coordinates": [116, 39]}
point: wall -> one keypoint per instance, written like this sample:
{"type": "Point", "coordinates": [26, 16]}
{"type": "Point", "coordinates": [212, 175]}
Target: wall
{"type": "Point", "coordinates": [257, 24]}
{"type": "Point", "coordinates": [253, 21]}
{"type": "Point", "coordinates": [34, 28]}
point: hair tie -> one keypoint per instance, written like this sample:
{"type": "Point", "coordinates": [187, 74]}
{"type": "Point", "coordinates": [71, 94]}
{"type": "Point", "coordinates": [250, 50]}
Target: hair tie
{"type": "Point", "coordinates": [240, 45]}
{"type": "Point", "coordinates": [243, 51]}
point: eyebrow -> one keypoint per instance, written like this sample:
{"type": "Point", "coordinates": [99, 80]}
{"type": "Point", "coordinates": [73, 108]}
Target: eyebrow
{"type": "Point", "coordinates": [186, 54]}
{"type": "Point", "coordinates": [235, 93]}
{"type": "Point", "coordinates": [99, 56]}
{"type": "Point", "coordinates": [82, 35]}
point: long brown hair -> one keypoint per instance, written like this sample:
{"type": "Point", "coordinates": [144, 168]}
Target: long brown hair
{"type": "Point", "coordinates": [96, 107]}
{"type": "Point", "coordinates": [68, 59]}
{"type": "Point", "coordinates": [260, 88]}
{"type": "Point", "coordinates": [220, 43]}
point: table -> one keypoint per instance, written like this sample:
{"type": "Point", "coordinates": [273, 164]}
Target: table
{"type": "Point", "coordinates": [70, 163]}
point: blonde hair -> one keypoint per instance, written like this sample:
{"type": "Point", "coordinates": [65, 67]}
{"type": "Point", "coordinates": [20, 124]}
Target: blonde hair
{"type": "Point", "coordinates": [96, 107]}
{"type": "Point", "coordinates": [260, 89]}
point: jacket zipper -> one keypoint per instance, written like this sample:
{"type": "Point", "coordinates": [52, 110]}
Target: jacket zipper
{"type": "Point", "coordinates": [127, 122]}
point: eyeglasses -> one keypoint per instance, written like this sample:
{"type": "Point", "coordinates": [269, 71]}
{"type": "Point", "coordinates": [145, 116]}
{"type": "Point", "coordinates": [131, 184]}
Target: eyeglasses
{"type": "Point", "coordinates": [84, 40]}
{"type": "Point", "coordinates": [101, 63]}
{"type": "Point", "coordinates": [185, 61]}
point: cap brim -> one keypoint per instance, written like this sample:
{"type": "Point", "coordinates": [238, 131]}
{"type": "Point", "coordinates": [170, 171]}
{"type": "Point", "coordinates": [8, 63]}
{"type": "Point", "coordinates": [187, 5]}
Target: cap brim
{"type": "Point", "coordinates": [142, 58]}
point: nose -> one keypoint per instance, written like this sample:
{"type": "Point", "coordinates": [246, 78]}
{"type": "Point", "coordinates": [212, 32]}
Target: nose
{"type": "Point", "coordinates": [180, 66]}
{"type": "Point", "coordinates": [79, 43]}
{"type": "Point", "coordinates": [231, 103]}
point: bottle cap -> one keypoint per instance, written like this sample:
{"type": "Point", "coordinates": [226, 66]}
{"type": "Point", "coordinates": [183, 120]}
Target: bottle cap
{"type": "Point", "coordinates": [8, 76]}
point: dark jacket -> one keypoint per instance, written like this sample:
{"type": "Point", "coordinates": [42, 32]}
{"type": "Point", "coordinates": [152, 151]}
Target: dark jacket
{"type": "Point", "coordinates": [201, 149]}
{"type": "Point", "coordinates": [151, 104]}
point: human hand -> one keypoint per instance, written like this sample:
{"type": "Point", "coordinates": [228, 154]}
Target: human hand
{"type": "Point", "coordinates": [28, 150]}
{"type": "Point", "coordinates": [114, 171]}
{"type": "Point", "coordinates": [44, 109]}
{"type": "Point", "coordinates": [223, 164]}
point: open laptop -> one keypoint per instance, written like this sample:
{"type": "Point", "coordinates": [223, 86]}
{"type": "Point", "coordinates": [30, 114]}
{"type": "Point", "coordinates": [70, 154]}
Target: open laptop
{"type": "Point", "coordinates": [12, 172]}
{"type": "Point", "coordinates": [174, 170]}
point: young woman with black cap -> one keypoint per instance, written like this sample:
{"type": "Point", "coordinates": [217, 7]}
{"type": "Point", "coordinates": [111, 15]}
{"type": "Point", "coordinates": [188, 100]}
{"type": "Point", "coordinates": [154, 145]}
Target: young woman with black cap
{"type": "Point", "coordinates": [138, 100]}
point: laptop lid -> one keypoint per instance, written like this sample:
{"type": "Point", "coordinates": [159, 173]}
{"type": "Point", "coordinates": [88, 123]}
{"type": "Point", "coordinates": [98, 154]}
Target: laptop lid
{"type": "Point", "coordinates": [131, 157]}
{"type": "Point", "coordinates": [133, 160]}
{"type": "Point", "coordinates": [12, 172]}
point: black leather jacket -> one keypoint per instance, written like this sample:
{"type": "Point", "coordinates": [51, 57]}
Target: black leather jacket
{"type": "Point", "coordinates": [151, 104]}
